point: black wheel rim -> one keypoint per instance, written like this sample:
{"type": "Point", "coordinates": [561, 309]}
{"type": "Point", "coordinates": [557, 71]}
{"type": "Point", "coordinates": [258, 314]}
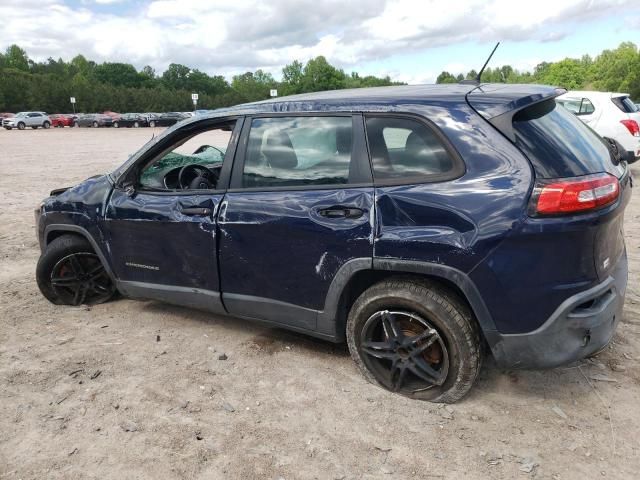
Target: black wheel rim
{"type": "Point", "coordinates": [404, 352]}
{"type": "Point", "coordinates": [80, 278]}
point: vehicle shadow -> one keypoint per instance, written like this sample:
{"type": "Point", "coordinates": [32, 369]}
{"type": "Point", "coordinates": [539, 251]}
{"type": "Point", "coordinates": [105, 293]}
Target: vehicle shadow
{"type": "Point", "coordinates": [512, 385]}
{"type": "Point", "coordinates": [265, 337]}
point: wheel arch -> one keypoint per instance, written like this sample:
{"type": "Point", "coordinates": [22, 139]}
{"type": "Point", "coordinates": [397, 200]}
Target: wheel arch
{"type": "Point", "coordinates": [54, 231]}
{"type": "Point", "coordinates": [348, 286]}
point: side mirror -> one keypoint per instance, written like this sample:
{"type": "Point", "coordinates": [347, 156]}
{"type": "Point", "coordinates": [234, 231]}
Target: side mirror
{"type": "Point", "coordinates": [631, 158]}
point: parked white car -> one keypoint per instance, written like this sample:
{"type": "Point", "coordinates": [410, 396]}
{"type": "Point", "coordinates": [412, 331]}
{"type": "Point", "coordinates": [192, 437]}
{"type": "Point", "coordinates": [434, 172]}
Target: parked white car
{"type": "Point", "coordinates": [27, 119]}
{"type": "Point", "coordinates": [610, 114]}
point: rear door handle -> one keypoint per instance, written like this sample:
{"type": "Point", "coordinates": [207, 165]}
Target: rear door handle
{"type": "Point", "coordinates": [196, 211]}
{"type": "Point", "coordinates": [339, 211]}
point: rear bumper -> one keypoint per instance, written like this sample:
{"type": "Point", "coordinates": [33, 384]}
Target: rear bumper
{"type": "Point", "coordinates": [580, 326]}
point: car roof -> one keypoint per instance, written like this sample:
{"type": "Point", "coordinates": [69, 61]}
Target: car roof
{"type": "Point", "coordinates": [593, 93]}
{"type": "Point", "coordinates": [392, 98]}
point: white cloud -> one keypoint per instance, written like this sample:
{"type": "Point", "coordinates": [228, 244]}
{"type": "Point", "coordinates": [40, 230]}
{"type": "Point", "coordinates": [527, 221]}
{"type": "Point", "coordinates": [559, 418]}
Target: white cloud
{"type": "Point", "coordinates": [226, 37]}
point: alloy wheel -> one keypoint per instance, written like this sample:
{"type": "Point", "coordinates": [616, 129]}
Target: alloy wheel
{"type": "Point", "coordinates": [404, 351]}
{"type": "Point", "coordinates": [81, 278]}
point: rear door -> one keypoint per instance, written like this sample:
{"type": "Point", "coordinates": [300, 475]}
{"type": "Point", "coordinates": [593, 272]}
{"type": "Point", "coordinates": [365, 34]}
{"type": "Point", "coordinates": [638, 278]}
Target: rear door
{"type": "Point", "coordinates": [34, 119]}
{"type": "Point", "coordinates": [299, 209]}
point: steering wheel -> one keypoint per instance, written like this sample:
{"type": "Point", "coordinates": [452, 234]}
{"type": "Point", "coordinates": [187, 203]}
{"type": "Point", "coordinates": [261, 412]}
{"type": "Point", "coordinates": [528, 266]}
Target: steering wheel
{"type": "Point", "coordinates": [196, 177]}
{"type": "Point", "coordinates": [202, 148]}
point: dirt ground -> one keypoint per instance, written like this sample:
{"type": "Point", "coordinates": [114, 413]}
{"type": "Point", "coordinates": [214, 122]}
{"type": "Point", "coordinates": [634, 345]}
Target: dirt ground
{"type": "Point", "coordinates": [134, 389]}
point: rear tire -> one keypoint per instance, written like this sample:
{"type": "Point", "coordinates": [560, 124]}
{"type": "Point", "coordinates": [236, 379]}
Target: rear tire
{"type": "Point", "coordinates": [94, 124]}
{"type": "Point", "coordinates": [136, 125]}
{"type": "Point", "coordinates": [437, 352]}
{"type": "Point", "coordinates": [70, 273]}
{"type": "Point", "coordinates": [115, 125]}
{"type": "Point", "coordinates": [152, 124]}
{"type": "Point", "coordinates": [46, 125]}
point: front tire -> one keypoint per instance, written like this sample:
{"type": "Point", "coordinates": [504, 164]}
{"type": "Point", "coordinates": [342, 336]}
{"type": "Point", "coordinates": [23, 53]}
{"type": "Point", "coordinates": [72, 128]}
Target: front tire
{"type": "Point", "coordinates": [115, 125]}
{"type": "Point", "coordinates": [95, 124]}
{"type": "Point", "coordinates": [21, 126]}
{"type": "Point", "coordinates": [70, 273]}
{"type": "Point", "coordinates": [46, 125]}
{"type": "Point", "coordinates": [415, 338]}
{"type": "Point", "coordinates": [152, 124]}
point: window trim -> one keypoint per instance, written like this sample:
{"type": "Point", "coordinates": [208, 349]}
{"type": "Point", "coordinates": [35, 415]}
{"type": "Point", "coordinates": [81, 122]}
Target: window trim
{"type": "Point", "coordinates": [580, 112]}
{"type": "Point", "coordinates": [459, 167]}
{"type": "Point", "coordinates": [359, 154]}
{"type": "Point", "coordinates": [134, 170]}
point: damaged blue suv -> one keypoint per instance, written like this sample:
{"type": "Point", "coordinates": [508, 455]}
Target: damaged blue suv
{"type": "Point", "coordinates": [423, 225]}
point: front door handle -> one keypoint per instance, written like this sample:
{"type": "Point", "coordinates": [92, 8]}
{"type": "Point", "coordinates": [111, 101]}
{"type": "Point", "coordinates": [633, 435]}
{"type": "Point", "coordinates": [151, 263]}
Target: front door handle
{"type": "Point", "coordinates": [196, 211]}
{"type": "Point", "coordinates": [340, 211]}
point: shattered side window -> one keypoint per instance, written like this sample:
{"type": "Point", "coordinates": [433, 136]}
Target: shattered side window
{"type": "Point", "coordinates": [298, 151]}
{"type": "Point", "coordinates": [206, 149]}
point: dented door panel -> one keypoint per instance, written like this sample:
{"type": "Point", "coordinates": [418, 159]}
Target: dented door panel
{"type": "Point", "coordinates": [278, 246]}
{"type": "Point", "coordinates": [151, 240]}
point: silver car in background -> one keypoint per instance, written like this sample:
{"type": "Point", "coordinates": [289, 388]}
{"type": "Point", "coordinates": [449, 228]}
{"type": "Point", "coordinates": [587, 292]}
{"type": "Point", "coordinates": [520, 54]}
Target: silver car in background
{"type": "Point", "coordinates": [23, 120]}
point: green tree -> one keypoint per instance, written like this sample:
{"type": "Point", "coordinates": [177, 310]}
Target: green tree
{"type": "Point", "coordinates": [176, 76]}
{"type": "Point", "coordinates": [17, 58]}
{"type": "Point", "coordinates": [253, 86]}
{"type": "Point", "coordinates": [292, 75]}
{"type": "Point", "coordinates": [319, 75]}
{"type": "Point", "coordinates": [446, 77]}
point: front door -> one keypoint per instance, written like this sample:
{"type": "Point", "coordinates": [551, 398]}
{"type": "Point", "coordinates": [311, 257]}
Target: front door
{"type": "Point", "coordinates": [298, 209]}
{"type": "Point", "coordinates": [162, 232]}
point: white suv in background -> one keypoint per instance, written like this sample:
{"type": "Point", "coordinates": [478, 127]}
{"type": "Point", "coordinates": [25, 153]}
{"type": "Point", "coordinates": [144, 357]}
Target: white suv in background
{"type": "Point", "coordinates": [611, 115]}
{"type": "Point", "coordinates": [27, 119]}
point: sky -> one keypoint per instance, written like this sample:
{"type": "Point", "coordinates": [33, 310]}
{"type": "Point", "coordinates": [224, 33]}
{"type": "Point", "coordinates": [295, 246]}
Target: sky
{"type": "Point", "coordinates": [411, 41]}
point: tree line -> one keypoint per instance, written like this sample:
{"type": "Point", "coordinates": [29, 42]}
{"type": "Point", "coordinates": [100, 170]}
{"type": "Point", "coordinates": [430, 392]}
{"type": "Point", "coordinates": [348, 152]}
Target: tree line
{"type": "Point", "coordinates": [29, 85]}
{"type": "Point", "coordinates": [615, 70]}
{"type": "Point", "coordinates": [48, 85]}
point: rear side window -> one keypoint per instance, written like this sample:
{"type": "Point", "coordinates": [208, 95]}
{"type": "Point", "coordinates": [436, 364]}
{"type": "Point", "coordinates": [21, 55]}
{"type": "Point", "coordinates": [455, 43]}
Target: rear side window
{"type": "Point", "coordinates": [557, 143]}
{"type": "Point", "coordinates": [625, 104]}
{"type": "Point", "coordinates": [578, 106]}
{"type": "Point", "coordinates": [292, 151]}
{"type": "Point", "coordinates": [402, 148]}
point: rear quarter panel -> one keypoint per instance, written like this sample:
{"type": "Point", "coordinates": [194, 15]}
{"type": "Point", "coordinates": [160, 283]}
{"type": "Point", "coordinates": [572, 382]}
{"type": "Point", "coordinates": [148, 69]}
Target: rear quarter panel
{"type": "Point", "coordinates": [457, 223]}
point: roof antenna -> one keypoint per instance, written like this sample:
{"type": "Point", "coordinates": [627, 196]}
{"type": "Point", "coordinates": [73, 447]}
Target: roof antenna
{"type": "Point", "coordinates": [476, 81]}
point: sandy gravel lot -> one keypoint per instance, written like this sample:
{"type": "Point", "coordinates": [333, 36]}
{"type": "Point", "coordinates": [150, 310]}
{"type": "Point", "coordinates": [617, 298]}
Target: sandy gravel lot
{"type": "Point", "coordinates": [91, 393]}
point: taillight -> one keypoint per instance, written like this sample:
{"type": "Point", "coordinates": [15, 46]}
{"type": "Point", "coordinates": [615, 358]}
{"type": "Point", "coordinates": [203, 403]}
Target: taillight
{"type": "Point", "coordinates": [574, 195]}
{"type": "Point", "coordinates": [632, 126]}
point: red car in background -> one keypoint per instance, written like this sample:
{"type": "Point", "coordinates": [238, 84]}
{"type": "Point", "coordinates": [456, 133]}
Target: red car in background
{"type": "Point", "coordinates": [60, 120]}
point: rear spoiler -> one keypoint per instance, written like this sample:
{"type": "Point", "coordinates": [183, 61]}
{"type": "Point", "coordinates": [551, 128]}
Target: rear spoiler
{"type": "Point", "coordinates": [498, 103]}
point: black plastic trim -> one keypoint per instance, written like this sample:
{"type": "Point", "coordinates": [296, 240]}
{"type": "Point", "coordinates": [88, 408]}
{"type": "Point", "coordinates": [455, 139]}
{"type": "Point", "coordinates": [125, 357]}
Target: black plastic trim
{"type": "Point", "coordinates": [267, 309]}
{"type": "Point", "coordinates": [572, 332]}
{"type": "Point", "coordinates": [197, 298]}
{"type": "Point", "coordinates": [328, 318]}
{"type": "Point", "coordinates": [455, 276]}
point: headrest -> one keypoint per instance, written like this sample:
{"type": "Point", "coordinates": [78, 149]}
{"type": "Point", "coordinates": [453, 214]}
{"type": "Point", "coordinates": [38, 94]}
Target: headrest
{"type": "Point", "coordinates": [343, 140]}
{"type": "Point", "coordinates": [279, 151]}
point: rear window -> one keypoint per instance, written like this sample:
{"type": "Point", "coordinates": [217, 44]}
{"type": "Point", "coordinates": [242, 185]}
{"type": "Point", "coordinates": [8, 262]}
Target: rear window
{"type": "Point", "coordinates": [558, 144]}
{"type": "Point", "coordinates": [625, 104]}
{"type": "Point", "coordinates": [405, 149]}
